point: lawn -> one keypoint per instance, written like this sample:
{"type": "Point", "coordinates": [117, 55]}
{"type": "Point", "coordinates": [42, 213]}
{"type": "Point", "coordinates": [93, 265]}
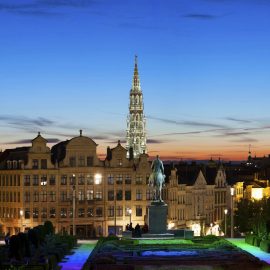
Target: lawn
{"type": "Point", "coordinates": [198, 253]}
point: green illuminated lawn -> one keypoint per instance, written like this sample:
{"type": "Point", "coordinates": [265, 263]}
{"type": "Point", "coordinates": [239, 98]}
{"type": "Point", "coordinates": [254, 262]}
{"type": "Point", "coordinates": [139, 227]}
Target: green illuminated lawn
{"type": "Point", "coordinates": [164, 242]}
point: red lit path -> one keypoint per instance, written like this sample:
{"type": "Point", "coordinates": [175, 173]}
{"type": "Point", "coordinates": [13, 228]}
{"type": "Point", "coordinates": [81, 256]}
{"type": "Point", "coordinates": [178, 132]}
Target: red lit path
{"type": "Point", "coordinates": [255, 251]}
{"type": "Point", "coordinates": [80, 255]}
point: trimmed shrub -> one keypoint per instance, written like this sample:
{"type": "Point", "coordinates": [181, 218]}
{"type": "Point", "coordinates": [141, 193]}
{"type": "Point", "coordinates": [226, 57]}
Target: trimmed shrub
{"type": "Point", "coordinates": [249, 239]}
{"type": "Point", "coordinates": [256, 242]}
{"type": "Point", "coordinates": [265, 245]}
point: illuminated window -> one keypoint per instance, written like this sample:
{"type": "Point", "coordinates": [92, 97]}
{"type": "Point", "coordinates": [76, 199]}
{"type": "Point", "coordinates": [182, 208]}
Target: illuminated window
{"type": "Point", "coordinates": [99, 195]}
{"type": "Point", "coordinates": [63, 213]}
{"type": "Point", "coordinates": [52, 212]}
{"type": "Point", "coordinates": [35, 212]}
{"type": "Point", "coordinates": [90, 212]}
{"type": "Point", "coordinates": [81, 195]}
{"type": "Point", "coordinates": [90, 194]}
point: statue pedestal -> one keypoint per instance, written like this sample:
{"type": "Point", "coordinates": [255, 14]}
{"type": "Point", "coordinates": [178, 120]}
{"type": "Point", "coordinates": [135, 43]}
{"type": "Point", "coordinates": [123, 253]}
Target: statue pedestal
{"type": "Point", "coordinates": [157, 217]}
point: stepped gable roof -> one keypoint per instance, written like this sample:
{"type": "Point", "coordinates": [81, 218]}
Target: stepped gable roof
{"type": "Point", "coordinates": [188, 176]}
{"type": "Point", "coordinates": [19, 153]}
{"type": "Point", "coordinates": [59, 151]}
{"type": "Point", "coordinates": [119, 147]}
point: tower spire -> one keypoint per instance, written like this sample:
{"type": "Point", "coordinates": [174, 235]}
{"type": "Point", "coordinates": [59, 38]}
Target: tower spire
{"type": "Point", "coordinates": [136, 132]}
{"type": "Point", "coordinates": [136, 80]}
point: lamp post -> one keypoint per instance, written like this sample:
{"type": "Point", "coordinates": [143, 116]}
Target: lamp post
{"type": "Point", "coordinates": [115, 231]}
{"type": "Point", "coordinates": [21, 215]}
{"type": "Point", "coordinates": [130, 212]}
{"type": "Point", "coordinates": [97, 181]}
{"type": "Point", "coordinates": [225, 220]}
{"type": "Point", "coordinates": [73, 209]}
{"type": "Point", "coordinates": [232, 212]}
{"type": "Point", "coordinates": [211, 228]}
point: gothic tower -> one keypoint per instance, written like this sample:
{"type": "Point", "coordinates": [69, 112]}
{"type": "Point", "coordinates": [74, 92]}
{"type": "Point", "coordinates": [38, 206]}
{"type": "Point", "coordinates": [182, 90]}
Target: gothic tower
{"type": "Point", "coordinates": [136, 133]}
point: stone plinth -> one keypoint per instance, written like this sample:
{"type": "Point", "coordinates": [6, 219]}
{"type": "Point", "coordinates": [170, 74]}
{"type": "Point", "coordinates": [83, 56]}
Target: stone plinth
{"type": "Point", "coordinates": [157, 217]}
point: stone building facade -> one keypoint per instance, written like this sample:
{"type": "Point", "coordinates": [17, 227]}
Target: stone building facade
{"type": "Point", "coordinates": [37, 184]}
{"type": "Point", "coordinates": [197, 198]}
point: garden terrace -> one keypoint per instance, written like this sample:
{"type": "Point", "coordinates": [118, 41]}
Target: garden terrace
{"type": "Point", "coordinates": [208, 252]}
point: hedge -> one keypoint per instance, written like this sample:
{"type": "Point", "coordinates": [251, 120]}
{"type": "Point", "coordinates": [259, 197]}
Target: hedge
{"type": "Point", "coordinates": [265, 245]}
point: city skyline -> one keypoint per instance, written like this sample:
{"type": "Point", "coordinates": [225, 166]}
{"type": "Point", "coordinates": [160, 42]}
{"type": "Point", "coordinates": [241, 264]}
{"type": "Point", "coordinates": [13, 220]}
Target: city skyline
{"type": "Point", "coordinates": [203, 66]}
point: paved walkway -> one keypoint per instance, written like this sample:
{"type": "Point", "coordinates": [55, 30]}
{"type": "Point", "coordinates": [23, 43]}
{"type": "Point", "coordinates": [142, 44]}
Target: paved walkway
{"type": "Point", "coordinates": [255, 251]}
{"type": "Point", "coordinates": [76, 260]}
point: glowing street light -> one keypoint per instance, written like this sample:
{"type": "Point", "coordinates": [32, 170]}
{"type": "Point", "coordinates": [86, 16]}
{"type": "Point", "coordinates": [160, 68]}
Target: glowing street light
{"type": "Point", "coordinates": [21, 215]}
{"type": "Point", "coordinates": [232, 212]}
{"type": "Point", "coordinates": [225, 220]}
{"type": "Point", "coordinates": [130, 212]}
{"type": "Point", "coordinates": [73, 209]}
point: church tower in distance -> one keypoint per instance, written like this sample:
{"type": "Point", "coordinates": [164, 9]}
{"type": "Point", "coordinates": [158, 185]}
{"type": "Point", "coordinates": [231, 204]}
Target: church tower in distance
{"type": "Point", "coordinates": [136, 133]}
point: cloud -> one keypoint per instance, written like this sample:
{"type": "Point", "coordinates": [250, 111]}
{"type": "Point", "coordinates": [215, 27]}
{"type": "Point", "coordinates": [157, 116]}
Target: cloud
{"type": "Point", "coordinates": [246, 140]}
{"type": "Point", "coordinates": [43, 7]}
{"type": "Point", "coordinates": [27, 141]}
{"type": "Point", "coordinates": [22, 121]}
{"type": "Point", "coordinates": [237, 133]}
{"type": "Point", "coordinates": [200, 16]}
{"type": "Point", "coordinates": [153, 141]}
{"type": "Point", "coordinates": [185, 122]}
{"type": "Point", "coordinates": [238, 120]}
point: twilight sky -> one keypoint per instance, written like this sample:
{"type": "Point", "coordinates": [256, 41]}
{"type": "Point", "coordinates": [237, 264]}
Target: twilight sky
{"type": "Point", "coordinates": [204, 67]}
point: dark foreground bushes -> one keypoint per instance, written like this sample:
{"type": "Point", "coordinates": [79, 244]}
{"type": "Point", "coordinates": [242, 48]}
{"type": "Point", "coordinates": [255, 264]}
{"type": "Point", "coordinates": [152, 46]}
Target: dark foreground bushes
{"type": "Point", "coordinates": [39, 248]}
{"type": "Point", "coordinates": [254, 240]}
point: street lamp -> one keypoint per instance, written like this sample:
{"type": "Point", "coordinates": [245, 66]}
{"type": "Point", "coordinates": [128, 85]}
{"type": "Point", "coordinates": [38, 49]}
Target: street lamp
{"type": "Point", "coordinates": [225, 220]}
{"type": "Point", "coordinates": [21, 215]}
{"type": "Point", "coordinates": [130, 212]}
{"type": "Point", "coordinates": [232, 212]}
{"type": "Point", "coordinates": [211, 228]}
{"type": "Point", "coordinates": [73, 209]}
